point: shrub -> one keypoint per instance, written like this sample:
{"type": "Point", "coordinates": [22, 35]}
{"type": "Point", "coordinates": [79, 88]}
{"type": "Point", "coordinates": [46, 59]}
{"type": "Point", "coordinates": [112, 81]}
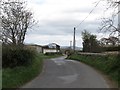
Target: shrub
{"type": "Point", "coordinates": [13, 78]}
{"type": "Point", "coordinates": [111, 48]}
{"type": "Point", "coordinates": [13, 56]}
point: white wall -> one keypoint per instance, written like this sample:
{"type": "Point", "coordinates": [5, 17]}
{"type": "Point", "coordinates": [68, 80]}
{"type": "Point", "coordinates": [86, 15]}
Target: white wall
{"type": "Point", "coordinates": [50, 50]}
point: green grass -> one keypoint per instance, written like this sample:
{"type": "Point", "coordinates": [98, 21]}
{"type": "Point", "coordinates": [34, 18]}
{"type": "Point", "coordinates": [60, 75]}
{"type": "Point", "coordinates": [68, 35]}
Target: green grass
{"type": "Point", "coordinates": [0, 79]}
{"type": "Point", "coordinates": [110, 64]}
{"type": "Point", "coordinates": [16, 77]}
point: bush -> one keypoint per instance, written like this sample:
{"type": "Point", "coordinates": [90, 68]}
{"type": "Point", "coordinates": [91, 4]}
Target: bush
{"type": "Point", "coordinates": [111, 48]}
{"type": "Point", "coordinates": [18, 76]}
{"type": "Point", "coordinates": [13, 56]}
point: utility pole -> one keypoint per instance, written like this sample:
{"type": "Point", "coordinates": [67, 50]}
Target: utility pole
{"type": "Point", "coordinates": [70, 45]}
{"type": "Point", "coordinates": [74, 40]}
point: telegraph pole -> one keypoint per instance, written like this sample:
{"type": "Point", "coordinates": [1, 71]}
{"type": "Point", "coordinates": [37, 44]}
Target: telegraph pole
{"type": "Point", "coordinates": [70, 45]}
{"type": "Point", "coordinates": [74, 40]}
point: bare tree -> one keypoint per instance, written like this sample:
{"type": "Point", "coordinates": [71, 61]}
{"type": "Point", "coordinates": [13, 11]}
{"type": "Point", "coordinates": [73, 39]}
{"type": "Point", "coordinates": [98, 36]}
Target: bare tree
{"type": "Point", "coordinates": [104, 41]}
{"type": "Point", "coordinates": [111, 41]}
{"type": "Point", "coordinates": [108, 25]}
{"type": "Point", "coordinates": [113, 3]}
{"type": "Point", "coordinates": [0, 23]}
{"type": "Point", "coordinates": [16, 20]}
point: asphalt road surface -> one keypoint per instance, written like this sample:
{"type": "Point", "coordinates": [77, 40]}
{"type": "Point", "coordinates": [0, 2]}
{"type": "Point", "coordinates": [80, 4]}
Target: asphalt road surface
{"type": "Point", "coordinates": [62, 73]}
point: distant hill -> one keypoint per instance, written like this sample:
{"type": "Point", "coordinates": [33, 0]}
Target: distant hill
{"type": "Point", "coordinates": [67, 47]}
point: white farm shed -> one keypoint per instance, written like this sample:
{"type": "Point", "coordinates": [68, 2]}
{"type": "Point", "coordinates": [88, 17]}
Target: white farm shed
{"type": "Point", "coordinates": [50, 51]}
{"type": "Point", "coordinates": [51, 48]}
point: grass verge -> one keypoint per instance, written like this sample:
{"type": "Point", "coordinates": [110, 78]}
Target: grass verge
{"type": "Point", "coordinates": [16, 77]}
{"type": "Point", "coordinates": [110, 64]}
{"type": "Point", "coordinates": [0, 79]}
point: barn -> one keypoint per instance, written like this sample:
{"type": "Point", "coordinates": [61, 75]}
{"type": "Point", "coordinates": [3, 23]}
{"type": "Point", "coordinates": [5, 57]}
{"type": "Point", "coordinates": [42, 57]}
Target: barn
{"type": "Point", "coordinates": [51, 48]}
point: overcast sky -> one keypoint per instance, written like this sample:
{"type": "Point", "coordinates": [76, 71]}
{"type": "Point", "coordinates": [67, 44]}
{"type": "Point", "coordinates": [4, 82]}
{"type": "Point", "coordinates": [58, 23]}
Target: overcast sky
{"type": "Point", "coordinates": [57, 19]}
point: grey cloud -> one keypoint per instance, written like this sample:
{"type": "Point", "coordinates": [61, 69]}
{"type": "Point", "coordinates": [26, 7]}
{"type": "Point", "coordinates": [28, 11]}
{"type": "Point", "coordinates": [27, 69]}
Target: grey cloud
{"type": "Point", "coordinates": [83, 10]}
{"type": "Point", "coordinates": [80, 10]}
{"type": "Point", "coordinates": [38, 2]}
{"type": "Point", "coordinates": [64, 27]}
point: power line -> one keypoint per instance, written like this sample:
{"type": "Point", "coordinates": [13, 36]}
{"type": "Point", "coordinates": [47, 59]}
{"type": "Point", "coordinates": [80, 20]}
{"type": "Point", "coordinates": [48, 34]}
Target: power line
{"type": "Point", "coordinates": [88, 14]}
{"type": "Point", "coordinates": [74, 41]}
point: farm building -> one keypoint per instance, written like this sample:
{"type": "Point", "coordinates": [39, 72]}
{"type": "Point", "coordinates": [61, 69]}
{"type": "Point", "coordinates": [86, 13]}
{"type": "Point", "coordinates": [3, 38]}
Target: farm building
{"type": "Point", "coordinates": [38, 48]}
{"type": "Point", "coordinates": [51, 48]}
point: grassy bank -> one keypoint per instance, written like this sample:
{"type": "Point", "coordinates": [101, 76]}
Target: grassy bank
{"type": "Point", "coordinates": [110, 64]}
{"type": "Point", "coordinates": [16, 77]}
{"type": "Point", "coordinates": [0, 79]}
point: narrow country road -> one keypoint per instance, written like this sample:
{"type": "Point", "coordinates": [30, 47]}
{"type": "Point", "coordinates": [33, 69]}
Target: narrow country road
{"type": "Point", "coordinates": [62, 73]}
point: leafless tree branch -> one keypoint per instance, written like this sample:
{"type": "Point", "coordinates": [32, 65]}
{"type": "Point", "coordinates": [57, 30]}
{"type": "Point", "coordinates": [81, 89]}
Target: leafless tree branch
{"type": "Point", "coordinates": [16, 20]}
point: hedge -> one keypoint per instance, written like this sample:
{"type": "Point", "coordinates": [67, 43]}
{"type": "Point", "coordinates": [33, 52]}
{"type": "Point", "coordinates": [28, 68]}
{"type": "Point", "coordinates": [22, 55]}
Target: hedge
{"type": "Point", "coordinates": [13, 56]}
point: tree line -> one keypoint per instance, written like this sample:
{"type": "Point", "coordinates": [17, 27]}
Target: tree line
{"type": "Point", "coordinates": [91, 44]}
